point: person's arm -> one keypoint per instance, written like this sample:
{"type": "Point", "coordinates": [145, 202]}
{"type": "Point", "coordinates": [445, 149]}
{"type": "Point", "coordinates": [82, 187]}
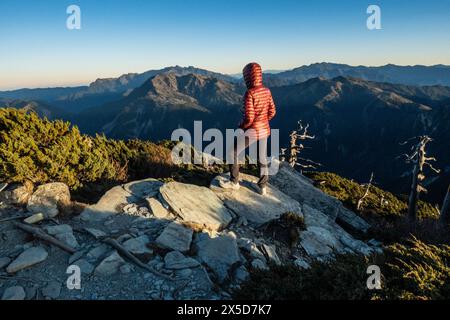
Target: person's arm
{"type": "Point", "coordinates": [272, 110]}
{"type": "Point", "coordinates": [249, 113]}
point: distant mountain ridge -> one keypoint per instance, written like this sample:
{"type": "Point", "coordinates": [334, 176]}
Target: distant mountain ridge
{"type": "Point", "coordinates": [163, 103]}
{"type": "Point", "coordinates": [408, 75]}
{"type": "Point", "coordinates": [101, 91]}
{"type": "Point", "coordinates": [40, 108]}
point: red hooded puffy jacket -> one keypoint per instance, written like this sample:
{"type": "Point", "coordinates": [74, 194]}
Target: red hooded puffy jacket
{"type": "Point", "coordinates": [258, 103]}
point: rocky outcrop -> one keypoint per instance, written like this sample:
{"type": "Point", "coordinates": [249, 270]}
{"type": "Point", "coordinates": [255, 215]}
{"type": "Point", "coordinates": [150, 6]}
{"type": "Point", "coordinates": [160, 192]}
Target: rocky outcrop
{"type": "Point", "coordinates": [49, 198]}
{"type": "Point", "coordinates": [16, 194]}
{"type": "Point", "coordinates": [323, 236]}
{"type": "Point", "coordinates": [117, 198]}
{"type": "Point", "coordinates": [195, 238]}
{"type": "Point", "coordinates": [196, 205]}
{"type": "Point", "coordinates": [248, 203]}
{"type": "Point", "coordinates": [301, 189]}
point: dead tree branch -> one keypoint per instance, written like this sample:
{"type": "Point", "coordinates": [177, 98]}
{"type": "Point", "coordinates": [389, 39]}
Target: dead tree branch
{"type": "Point", "coordinates": [366, 193]}
{"type": "Point", "coordinates": [294, 147]}
{"type": "Point", "coordinates": [38, 233]}
{"type": "Point", "coordinates": [131, 257]}
{"type": "Point", "coordinates": [420, 160]}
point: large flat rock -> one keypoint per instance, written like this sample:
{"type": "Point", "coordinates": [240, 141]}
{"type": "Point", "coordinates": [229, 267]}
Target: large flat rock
{"type": "Point", "coordinates": [143, 188]}
{"type": "Point", "coordinates": [247, 202]}
{"type": "Point", "coordinates": [323, 236]}
{"type": "Point", "coordinates": [28, 258]}
{"type": "Point", "coordinates": [301, 189]}
{"type": "Point", "coordinates": [197, 205]}
{"type": "Point", "coordinates": [111, 203]}
{"type": "Point", "coordinates": [116, 198]}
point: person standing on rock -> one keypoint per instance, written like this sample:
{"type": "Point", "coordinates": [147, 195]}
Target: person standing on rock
{"type": "Point", "coordinates": [259, 109]}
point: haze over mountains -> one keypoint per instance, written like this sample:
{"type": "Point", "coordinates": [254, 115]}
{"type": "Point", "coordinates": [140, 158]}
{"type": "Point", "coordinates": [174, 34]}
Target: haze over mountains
{"type": "Point", "coordinates": [358, 123]}
{"type": "Point", "coordinates": [75, 99]}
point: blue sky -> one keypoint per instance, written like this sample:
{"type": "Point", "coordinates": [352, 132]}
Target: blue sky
{"type": "Point", "coordinates": [37, 50]}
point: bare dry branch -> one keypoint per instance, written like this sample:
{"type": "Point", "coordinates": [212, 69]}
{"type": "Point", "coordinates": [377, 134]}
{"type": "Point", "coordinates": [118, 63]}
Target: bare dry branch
{"type": "Point", "coordinates": [366, 193]}
{"type": "Point", "coordinates": [38, 233]}
{"type": "Point", "coordinates": [419, 158]}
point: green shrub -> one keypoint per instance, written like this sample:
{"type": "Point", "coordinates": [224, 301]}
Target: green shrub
{"type": "Point", "coordinates": [378, 202]}
{"type": "Point", "coordinates": [40, 151]}
{"type": "Point", "coordinates": [417, 271]}
{"type": "Point", "coordinates": [341, 279]}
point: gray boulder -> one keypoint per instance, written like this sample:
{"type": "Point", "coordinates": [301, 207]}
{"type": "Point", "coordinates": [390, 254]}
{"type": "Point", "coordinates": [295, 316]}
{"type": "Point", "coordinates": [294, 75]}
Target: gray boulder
{"type": "Point", "coordinates": [196, 205]}
{"type": "Point", "coordinates": [16, 194]}
{"type": "Point", "coordinates": [110, 203]}
{"type": "Point", "coordinates": [241, 274]}
{"type": "Point", "coordinates": [175, 237]}
{"type": "Point", "coordinates": [115, 199]}
{"type": "Point", "coordinates": [330, 233]}
{"type": "Point", "coordinates": [69, 239]}
{"type": "Point", "coordinates": [98, 252]}
{"type": "Point", "coordinates": [301, 189]}
{"type": "Point", "coordinates": [48, 198]}
{"type": "Point", "coordinates": [28, 258]}
{"type": "Point", "coordinates": [64, 233]}
{"type": "Point", "coordinates": [250, 247]}
{"type": "Point", "coordinates": [249, 204]}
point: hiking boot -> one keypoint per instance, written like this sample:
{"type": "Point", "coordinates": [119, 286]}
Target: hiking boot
{"type": "Point", "coordinates": [263, 191]}
{"type": "Point", "coordinates": [229, 185]}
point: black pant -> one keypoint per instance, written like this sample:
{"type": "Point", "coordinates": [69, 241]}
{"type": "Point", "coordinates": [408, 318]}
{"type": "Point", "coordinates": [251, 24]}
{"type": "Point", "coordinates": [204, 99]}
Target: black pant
{"type": "Point", "coordinates": [262, 161]}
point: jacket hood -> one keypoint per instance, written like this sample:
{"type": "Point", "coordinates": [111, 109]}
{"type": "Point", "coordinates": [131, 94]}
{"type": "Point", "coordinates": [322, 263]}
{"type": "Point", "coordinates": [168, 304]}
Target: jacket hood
{"type": "Point", "coordinates": [252, 75]}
